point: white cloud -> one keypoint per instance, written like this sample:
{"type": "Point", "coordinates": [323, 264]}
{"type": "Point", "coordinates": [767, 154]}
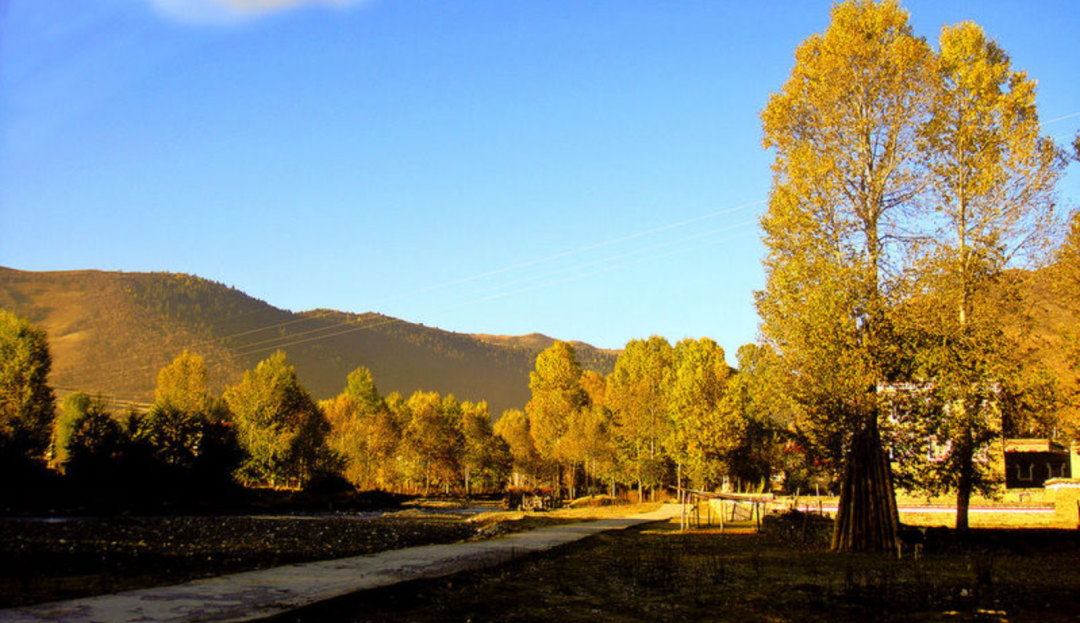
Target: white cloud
{"type": "Point", "coordinates": [229, 11]}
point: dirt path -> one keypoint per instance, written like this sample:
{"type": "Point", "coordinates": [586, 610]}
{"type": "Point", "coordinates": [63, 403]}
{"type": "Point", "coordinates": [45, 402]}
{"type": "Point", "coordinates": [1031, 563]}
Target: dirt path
{"type": "Point", "coordinates": [259, 594]}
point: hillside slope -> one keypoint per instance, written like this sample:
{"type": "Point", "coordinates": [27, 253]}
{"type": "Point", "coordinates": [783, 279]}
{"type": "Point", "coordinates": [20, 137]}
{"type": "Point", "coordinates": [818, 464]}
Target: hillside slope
{"type": "Point", "coordinates": [1047, 326]}
{"type": "Point", "coordinates": [110, 332]}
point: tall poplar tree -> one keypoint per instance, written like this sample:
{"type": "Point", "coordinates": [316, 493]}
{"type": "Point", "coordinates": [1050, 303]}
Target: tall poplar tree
{"type": "Point", "coordinates": [433, 438]}
{"type": "Point", "coordinates": [636, 394]}
{"type": "Point", "coordinates": [556, 394]}
{"type": "Point", "coordinates": [702, 433]}
{"type": "Point", "coordinates": [184, 422]}
{"type": "Point", "coordinates": [594, 434]}
{"type": "Point", "coordinates": [485, 457]}
{"type": "Point", "coordinates": [991, 180]}
{"type": "Point", "coordinates": [27, 402]}
{"type": "Point", "coordinates": [757, 398]}
{"type": "Point", "coordinates": [846, 170]}
{"type": "Point", "coordinates": [513, 428]}
{"type": "Point", "coordinates": [354, 416]}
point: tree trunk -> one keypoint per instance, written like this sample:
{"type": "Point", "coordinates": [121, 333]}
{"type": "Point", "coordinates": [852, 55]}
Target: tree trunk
{"type": "Point", "coordinates": [867, 519]}
{"type": "Point", "coordinates": [965, 450]}
{"type": "Point", "coordinates": [965, 483]}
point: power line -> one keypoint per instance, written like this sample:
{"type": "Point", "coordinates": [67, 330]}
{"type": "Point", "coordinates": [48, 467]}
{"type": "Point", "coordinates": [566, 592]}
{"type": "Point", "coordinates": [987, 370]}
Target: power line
{"type": "Point", "coordinates": [591, 247]}
{"type": "Point", "coordinates": [203, 343]}
{"type": "Point", "coordinates": [360, 326]}
{"type": "Point", "coordinates": [601, 270]}
{"type": "Point", "coordinates": [290, 340]}
{"type": "Point", "coordinates": [1061, 118]}
{"type": "Point", "coordinates": [108, 399]}
{"type": "Point", "coordinates": [605, 260]}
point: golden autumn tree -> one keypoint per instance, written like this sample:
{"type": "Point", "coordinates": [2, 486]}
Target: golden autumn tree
{"type": "Point", "coordinates": [556, 395]}
{"type": "Point", "coordinates": [847, 170]}
{"type": "Point", "coordinates": [353, 416]}
{"type": "Point", "coordinates": [592, 433]}
{"type": "Point", "coordinates": [27, 401]}
{"type": "Point", "coordinates": [756, 398]}
{"type": "Point", "coordinates": [588, 440]}
{"type": "Point", "coordinates": [485, 457]}
{"type": "Point", "coordinates": [702, 433]}
{"type": "Point", "coordinates": [513, 428]}
{"type": "Point", "coordinates": [186, 427]}
{"type": "Point", "coordinates": [433, 439]}
{"type": "Point", "coordinates": [183, 384]}
{"type": "Point", "coordinates": [637, 397]}
{"type": "Point", "coordinates": [991, 177]}
{"type": "Point", "coordinates": [280, 427]}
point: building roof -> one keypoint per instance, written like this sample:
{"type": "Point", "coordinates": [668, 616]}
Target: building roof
{"type": "Point", "coordinates": [1035, 445]}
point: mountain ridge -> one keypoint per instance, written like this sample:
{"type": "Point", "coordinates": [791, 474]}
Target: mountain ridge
{"type": "Point", "coordinates": [111, 331]}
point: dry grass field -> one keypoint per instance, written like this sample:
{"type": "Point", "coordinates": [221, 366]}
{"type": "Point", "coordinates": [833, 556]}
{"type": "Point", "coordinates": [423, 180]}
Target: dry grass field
{"type": "Point", "coordinates": [660, 573]}
{"type": "Point", "coordinates": [1013, 508]}
{"type": "Point", "coordinates": [1009, 569]}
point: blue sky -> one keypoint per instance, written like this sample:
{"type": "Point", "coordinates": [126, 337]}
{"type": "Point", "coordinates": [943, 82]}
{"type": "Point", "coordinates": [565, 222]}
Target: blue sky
{"type": "Point", "coordinates": [588, 170]}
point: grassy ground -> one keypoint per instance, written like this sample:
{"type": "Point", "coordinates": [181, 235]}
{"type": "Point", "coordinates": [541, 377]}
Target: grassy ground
{"type": "Point", "coordinates": [1022, 521]}
{"type": "Point", "coordinates": [660, 574]}
{"type": "Point", "coordinates": [652, 574]}
{"type": "Point", "coordinates": [1012, 502]}
{"type": "Point", "coordinates": [1000, 497]}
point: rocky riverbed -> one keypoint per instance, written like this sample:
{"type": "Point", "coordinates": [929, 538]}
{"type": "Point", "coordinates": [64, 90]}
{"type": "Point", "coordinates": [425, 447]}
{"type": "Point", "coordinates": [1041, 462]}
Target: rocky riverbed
{"type": "Point", "coordinates": [63, 558]}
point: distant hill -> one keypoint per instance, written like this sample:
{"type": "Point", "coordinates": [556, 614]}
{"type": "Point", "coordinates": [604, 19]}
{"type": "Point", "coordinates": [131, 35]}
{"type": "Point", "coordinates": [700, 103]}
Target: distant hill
{"type": "Point", "coordinates": [110, 332]}
{"type": "Point", "coordinates": [590, 357]}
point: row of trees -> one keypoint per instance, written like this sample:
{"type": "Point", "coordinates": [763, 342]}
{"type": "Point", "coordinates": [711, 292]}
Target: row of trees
{"type": "Point", "coordinates": [907, 181]}
{"type": "Point", "coordinates": [266, 430]}
{"type": "Point", "coordinates": [417, 443]}
{"type": "Point", "coordinates": [665, 414]}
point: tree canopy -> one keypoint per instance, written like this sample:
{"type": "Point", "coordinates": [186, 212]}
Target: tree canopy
{"type": "Point", "coordinates": [844, 131]}
{"type": "Point", "coordinates": [27, 402]}
{"type": "Point", "coordinates": [556, 394]}
{"type": "Point", "coordinates": [904, 179]}
{"type": "Point", "coordinates": [182, 384]}
{"type": "Point", "coordinates": [278, 424]}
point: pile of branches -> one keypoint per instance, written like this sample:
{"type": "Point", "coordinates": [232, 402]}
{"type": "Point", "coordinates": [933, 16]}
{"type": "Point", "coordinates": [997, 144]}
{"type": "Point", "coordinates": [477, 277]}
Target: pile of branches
{"type": "Point", "coordinates": [800, 528]}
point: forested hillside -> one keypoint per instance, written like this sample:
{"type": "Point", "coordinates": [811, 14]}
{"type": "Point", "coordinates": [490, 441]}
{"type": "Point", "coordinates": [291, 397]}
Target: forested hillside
{"type": "Point", "coordinates": [110, 332]}
{"type": "Point", "coordinates": [1047, 326]}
